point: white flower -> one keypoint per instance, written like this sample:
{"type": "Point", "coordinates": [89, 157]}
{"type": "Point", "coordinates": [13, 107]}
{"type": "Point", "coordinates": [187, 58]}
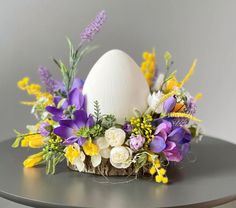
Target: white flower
{"type": "Point", "coordinates": [154, 102]}
{"type": "Point", "coordinates": [96, 160]}
{"type": "Point", "coordinates": [115, 136]}
{"type": "Point", "coordinates": [79, 161]}
{"type": "Point", "coordinates": [104, 147]}
{"type": "Point", "coordinates": [121, 157]}
{"type": "Point", "coordinates": [159, 81]}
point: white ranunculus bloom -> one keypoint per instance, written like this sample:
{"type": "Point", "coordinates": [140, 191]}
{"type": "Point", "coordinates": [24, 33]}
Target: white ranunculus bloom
{"type": "Point", "coordinates": [121, 157]}
{"type": "Point", "coordinates": [104, 147]}
{"type": "Point", "coordinates": [154, 102]}
{"type": "Point", "coordinates": [159, 81]}
{"type": "Point", "coordinates": [102, 143]}
{"type": "Point", "coordinates": [115, 136]}
{"type": "Point", "coordinates": [105, 153]}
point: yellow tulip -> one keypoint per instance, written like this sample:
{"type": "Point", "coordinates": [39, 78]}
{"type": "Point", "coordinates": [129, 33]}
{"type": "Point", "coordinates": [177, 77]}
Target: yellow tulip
{"type": "Point", "coordinates": [33, 160]}
{"type": "Point", "coordinates": [33, 141]}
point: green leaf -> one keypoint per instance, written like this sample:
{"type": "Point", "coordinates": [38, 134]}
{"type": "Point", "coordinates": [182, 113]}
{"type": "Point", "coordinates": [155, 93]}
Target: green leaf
{"type": "Point", "coordinates": [97, 111]}
{"type": "Point", "coordinates": [56, 62]}
{"type": "Point", "coordinates": [167, 57]}
{"type": "Point", "coordinates": [108, 121]}
{"type": "Point", "coordinates": [71, 49]}
{"type": "Point", "coordinates": [85, 52]}
{"type": "Point", "coordinates": [141, 161]}
{"type": "Point", "coordinates": [16, 143]}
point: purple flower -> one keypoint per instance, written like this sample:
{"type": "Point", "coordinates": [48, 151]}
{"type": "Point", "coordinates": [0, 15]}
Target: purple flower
{"type": "Point", "coordinates": [191, 108]}
{"type": "Point", "coordinates": [127, 127]}
{"type": "Point", "coordinates": [45, 129]}
{"type": "Point", "coordinates": [172, 141]}
{"type": "Point", "coordinates": [94, 27]}
{"type": "Point", "coordinates": [78, 83]}
{"type": "Point", "coordinates": [46, 79]}
{"type": "Point", "coordinates": [70, 129]}
{"type": "Point", "coordinates": [136, 142]}
{"type": "Point", "coordinates": [158, 144]}
{"type": "Point", "coordinates": [169, 104]}
{"type": "Point", "coordinates": [64, 109]}
{"type": "Point", "coordinates": [177, 144]}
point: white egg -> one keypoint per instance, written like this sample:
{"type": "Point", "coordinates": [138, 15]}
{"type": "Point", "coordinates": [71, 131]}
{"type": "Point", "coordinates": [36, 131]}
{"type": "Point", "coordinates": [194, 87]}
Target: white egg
{"type": "Point", "coordinates": [116, 82]}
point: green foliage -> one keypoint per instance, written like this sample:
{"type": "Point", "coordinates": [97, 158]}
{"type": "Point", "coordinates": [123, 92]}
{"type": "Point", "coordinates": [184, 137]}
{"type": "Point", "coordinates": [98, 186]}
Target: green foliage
{"type": "Point", "coordinates": [52, 160]}
{"type": "Point", "coordinates": [140, 161]}
{"type": "Point", "coordinates": [97, 111]}
{"type": "Point", "coordinates": [108, 121]}
{"type": "Point", "coordinates": [75, 56]}
{"type": "Point", "coordinates": [53, 154]}
{"type": "Point", "coordinates": [96, 131]}
{"type": "Point", "coordinates": [18, 139]}
{"type": "Point", "coordinates": [167, 57]}
{"type": "Point", "coordinates": [83, 132]}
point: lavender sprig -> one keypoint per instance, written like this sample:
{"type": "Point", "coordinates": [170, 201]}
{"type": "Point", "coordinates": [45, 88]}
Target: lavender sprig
{"type": "Point", "coordinates": [75, 56]}
{"type": "Point", "coordinates": [94, 27]}
{"type": "Point", "coordinates": [46, 79]}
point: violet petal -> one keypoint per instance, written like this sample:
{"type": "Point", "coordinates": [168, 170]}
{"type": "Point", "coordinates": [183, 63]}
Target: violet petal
{"type": "Point", "coordinates": [80, 118]}
{"type": "Point", "coordinates": [63, 132]}
{"type": "Point", "coordinates": [157, 144]}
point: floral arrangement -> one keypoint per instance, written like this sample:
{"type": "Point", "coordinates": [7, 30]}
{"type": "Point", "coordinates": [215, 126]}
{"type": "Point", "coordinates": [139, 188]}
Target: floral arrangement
{"type": "Point", "coordinates": [146, 143]}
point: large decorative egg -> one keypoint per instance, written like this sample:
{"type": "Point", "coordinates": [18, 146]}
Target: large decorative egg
{"type": "Point", "coordinates": [116, 82]}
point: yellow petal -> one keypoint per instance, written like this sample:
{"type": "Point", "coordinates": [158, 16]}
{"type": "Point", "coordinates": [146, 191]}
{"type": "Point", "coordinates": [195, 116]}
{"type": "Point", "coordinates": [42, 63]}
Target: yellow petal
{"type": "Point", "coordinates": [90, 148]}
{"type": "Point", "coordinates": [33, 160]}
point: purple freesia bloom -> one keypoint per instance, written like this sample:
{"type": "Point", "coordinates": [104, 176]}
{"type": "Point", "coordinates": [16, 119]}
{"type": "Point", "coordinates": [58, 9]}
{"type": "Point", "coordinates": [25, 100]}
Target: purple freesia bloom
{"type": "Point", "coordinates": [68, 129]}
{"type": "Point", "coordinates": [78, 83]}
{"type": "Point", "coordinates": [75, 99]}
{"type": "Point", "coordinates": [169, 104]}
{"type": "Point", "coordinates": [172, 141]}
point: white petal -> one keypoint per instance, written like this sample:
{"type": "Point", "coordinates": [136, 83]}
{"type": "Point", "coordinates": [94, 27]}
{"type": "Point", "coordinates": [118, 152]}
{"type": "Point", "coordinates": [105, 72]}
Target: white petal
{"type": "Point", "coordinates": [32, 128]}
{"type": "Point", "coordinates": [105, 153]}
{"type": "Point", "coordinates": [96, 160]}
{"type": "Point", "coordinates": [79, 165]}
{"type": "Point", "coordinates": [159, 81]}
{"type": "Point", "coordinates": [102, 143]}
{"type": "Point", "coordinates": [82, 156]}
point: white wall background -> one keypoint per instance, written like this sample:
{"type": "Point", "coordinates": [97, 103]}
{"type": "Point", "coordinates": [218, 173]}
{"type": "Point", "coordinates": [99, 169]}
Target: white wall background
{"type": "Point", "coordinates": [33, 31]}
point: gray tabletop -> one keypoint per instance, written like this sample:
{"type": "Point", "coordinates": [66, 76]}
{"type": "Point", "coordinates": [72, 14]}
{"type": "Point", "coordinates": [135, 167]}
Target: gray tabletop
{"type": "Point", "coordinates": [208, 181]}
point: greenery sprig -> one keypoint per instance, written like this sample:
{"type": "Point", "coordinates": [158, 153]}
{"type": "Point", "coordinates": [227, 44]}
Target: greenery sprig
{"type": "Point", "coordinates": [75, 56]}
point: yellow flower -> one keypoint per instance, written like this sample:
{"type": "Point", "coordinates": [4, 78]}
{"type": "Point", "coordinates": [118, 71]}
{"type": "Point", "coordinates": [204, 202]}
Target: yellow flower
{"type": "Point", "coordinates": [34, 89]}
{"type": "Point", "coordinates": [152, 170]}
{"type": "Point", "coordinates": [162, 171]}
{"type": "Point", "coordinates": [90, 148]}
{"type": "Point", "coordinates": [165, 180]}
{"type": "Point", "coordinates": [33, 141]}
{"type": "Point", "coordinates": [33, 160]}
{"type": "Point", "coordinates": [148, 66]}
{"type": "Point", "coordinates": [171, 84]}
{"type": "Point", "coordinates": [158, 178]}
{"type": "Point", "coordinates": [22, 84]}
{"type": "Point", "coordinates": [71, 153]}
